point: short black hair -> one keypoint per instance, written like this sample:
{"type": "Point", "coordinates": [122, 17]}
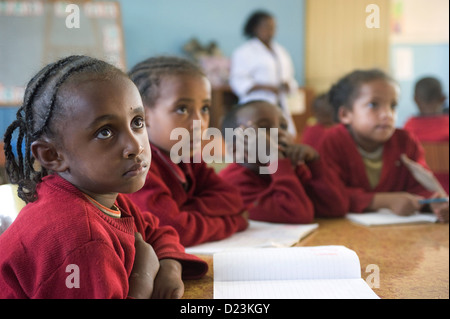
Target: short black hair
{"type": "Point", "coordinates": [230, 120]}
{"type": "Point", "coordinates": [253, 21]}
{"type": "Point", "coordinates": [344, 92]}
{"type": "Point", "coordinates": [42, 108]}
{"type": "Point", "coordinates": [147, 74]}
{"type": "Point", "coordinates": [428, 90]}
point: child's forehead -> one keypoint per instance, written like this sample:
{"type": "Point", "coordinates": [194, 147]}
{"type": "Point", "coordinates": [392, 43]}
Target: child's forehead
{"type": "Point", "coordinates": [100, 93]}
{"type": "Point", "coordinates": [378, 86]}
{"type": "Point", "coordinates": [259, 110]}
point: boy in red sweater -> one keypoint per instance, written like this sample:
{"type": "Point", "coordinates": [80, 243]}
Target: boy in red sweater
{"type": "Point", "coordinates": [432, 124]}
{"type": "Point", "coordinates": [83, 121]}
{"type": "Point", "coordinates": [299, 189]}
{"type": "Point", "coordinates": [186, 195]}
{"type": "Point", "coordinates": [366, 149]}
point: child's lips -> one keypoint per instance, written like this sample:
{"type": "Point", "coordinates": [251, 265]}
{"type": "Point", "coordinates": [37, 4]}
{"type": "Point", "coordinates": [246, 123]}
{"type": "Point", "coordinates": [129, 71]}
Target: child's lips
{"type": "Point", "coordinates": [136, 169]}
{"type": "Point", "coordinates": [384, 127]}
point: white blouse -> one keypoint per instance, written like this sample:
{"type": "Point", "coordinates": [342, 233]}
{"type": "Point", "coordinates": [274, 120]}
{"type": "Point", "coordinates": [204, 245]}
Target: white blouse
{"type": "Point", "coordinates": [253, 63]}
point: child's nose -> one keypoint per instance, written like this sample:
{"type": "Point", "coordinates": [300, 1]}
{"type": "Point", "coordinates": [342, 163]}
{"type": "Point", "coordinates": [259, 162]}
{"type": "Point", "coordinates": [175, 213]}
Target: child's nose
{"type": "Point", "coordinates": [387, 111]}
{"type": "Point", "coordinates": [132, 147]}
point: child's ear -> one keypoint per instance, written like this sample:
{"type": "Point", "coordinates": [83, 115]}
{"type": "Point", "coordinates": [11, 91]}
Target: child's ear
{"type": "Point", "coordinates": [45, 152]}
{"type": "Point", "coordinates": [345, 115]}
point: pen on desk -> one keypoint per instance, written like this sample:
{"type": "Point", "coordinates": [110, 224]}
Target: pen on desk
{"type": "Point", "coordinates": [433, 200]}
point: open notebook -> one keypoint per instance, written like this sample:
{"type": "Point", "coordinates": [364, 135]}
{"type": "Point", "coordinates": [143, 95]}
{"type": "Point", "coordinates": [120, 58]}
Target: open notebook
{"type": "Point", "coordinates": [323, 272]}
{"type": "Point", "coordinates": [258, 234]}
{"type": "Point", "coordinates": [386, 217]}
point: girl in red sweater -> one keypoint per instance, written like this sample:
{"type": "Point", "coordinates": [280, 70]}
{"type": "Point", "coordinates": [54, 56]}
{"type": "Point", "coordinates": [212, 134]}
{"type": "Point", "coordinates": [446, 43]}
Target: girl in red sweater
{"type": "Point", "coordinates": [83, 121]}
{"type": "Point", "coordinates": [185, 194]}
{"type": "Point", "coordinates": [366, 149]}
{"type": "Point", "coordinates": [299, 189]}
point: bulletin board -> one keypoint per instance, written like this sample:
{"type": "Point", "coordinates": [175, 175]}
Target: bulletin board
{"type": "Point", "coordinates": [36, 33]}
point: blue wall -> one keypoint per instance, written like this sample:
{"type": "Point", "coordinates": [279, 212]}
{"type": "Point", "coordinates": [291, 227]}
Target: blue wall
{"type": "Point", "coordinates": [164, 26]}
{"type": "Point", "coordinates": [429, 60]}
{"type": "Point", "coordinates": [153, 27]}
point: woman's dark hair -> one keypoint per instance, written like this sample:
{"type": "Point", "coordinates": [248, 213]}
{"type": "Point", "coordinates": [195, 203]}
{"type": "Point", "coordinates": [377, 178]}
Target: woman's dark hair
{"type": "Point", "coordinates": [344, 92]}
{"type": "Point", "coordinates": [43, 107]}
{"type": "Point", "coordinates": [253, 21]}
{"type": "Point", "coordinates": [147, 74]}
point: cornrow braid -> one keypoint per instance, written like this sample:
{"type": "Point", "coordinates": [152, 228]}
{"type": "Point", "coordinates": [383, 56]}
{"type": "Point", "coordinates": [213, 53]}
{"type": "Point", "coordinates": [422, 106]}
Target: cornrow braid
{"type": "Point", "coordinates": [147, 74]}
{"type": "Point", "coordinates": [41, 107]}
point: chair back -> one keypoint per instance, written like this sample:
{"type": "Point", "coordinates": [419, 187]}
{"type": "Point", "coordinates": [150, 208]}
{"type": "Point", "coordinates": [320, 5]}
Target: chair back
{"type": "Point", "coordinates": [436, 155]}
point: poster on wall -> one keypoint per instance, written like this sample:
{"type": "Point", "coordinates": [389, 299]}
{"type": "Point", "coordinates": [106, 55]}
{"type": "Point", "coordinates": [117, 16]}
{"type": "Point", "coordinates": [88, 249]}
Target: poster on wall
{"type": "Point", "coordinates": [419, 21]}
{"type": "Point", "coordinates": [35, 33]}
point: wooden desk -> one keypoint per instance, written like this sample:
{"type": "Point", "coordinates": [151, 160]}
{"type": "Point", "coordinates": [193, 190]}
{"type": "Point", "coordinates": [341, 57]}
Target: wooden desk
{"type": "Point", "coordinates": [413, 259]}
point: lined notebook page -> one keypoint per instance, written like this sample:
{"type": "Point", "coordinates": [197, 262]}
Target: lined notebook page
{"type": "Point", "coordinates": [258, 234]}
{"type": "Point", "coordinates": [386, 217]}
{"type": "Point", "coordinates": [294, 263]}
{"type": "Point", "coordinates": [296, 272]}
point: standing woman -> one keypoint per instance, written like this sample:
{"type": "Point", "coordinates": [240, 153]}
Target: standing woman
{"type": "Point", "coordinates": [261, 69]}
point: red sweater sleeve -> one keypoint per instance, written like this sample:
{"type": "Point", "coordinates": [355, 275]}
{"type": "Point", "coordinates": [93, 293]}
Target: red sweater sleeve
{"type": "Point", "coordinates": [326, 191]}
{"type": "Point", "coordinates": [213, 196]}
{"type": "Point", "coordinates": [102, 276]}
{"type": "Point", "coordinates": [193, 226]}
{"type": "Point", "coordinates": [166, 242]}
{"type": "Point", "coordinates": [277, 198]}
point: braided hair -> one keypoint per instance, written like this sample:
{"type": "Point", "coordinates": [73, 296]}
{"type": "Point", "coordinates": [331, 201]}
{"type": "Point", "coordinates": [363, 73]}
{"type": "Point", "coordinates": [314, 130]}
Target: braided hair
{"type": "Point", "coordinates": [41, 109]}
{"type": "Point", "coordinates": [147, 74]}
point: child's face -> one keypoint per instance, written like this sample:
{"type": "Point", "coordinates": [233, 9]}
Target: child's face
{"type": "Point", "coordinates": [372, 116]}
{"type": "Point", "coordinates": [181, 100]}
{"type": "Point", "coordinates": [266, 116]}
{"type": "Point", "coordinates": [104, 142]}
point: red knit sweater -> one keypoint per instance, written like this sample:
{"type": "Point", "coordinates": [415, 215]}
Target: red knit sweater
{"type": "Point", "coordinates": [62, 228]}
{"type": "Point", "coordinates": [339, 151]}
{"type": "Point", "coordinates": [192, 198]}
{"type": "Point", "coordinates": [429, 128]}
{"type": "Point", "coordinates": [288, 195]}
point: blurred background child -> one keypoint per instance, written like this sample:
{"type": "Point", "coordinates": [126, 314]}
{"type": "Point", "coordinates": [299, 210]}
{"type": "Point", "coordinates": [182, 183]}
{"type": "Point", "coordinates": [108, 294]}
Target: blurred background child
{"type": "Point", "coordinates": [431, 126]}
{"type": "Point", "coordinates": [300, 188]}
{"type": "Point", "coordinates": [366, 149]}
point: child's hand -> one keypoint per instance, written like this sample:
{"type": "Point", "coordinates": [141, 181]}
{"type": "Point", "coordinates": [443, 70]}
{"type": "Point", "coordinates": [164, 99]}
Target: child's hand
{"type": "Point", "coordinates": [246, 215]}
{"type": "Point", "coordinates": [440, 209]}
{"type": "Point", "coordinates": [405, 204]}
{"type": "Point", "coordinates": [168, 282]}
{"type": "Point", "coordinates": [400, 203]}
{"type": "Point", "coordinates": [145, 268]}
{"type": "Point", "coordinates": [299, 153]}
